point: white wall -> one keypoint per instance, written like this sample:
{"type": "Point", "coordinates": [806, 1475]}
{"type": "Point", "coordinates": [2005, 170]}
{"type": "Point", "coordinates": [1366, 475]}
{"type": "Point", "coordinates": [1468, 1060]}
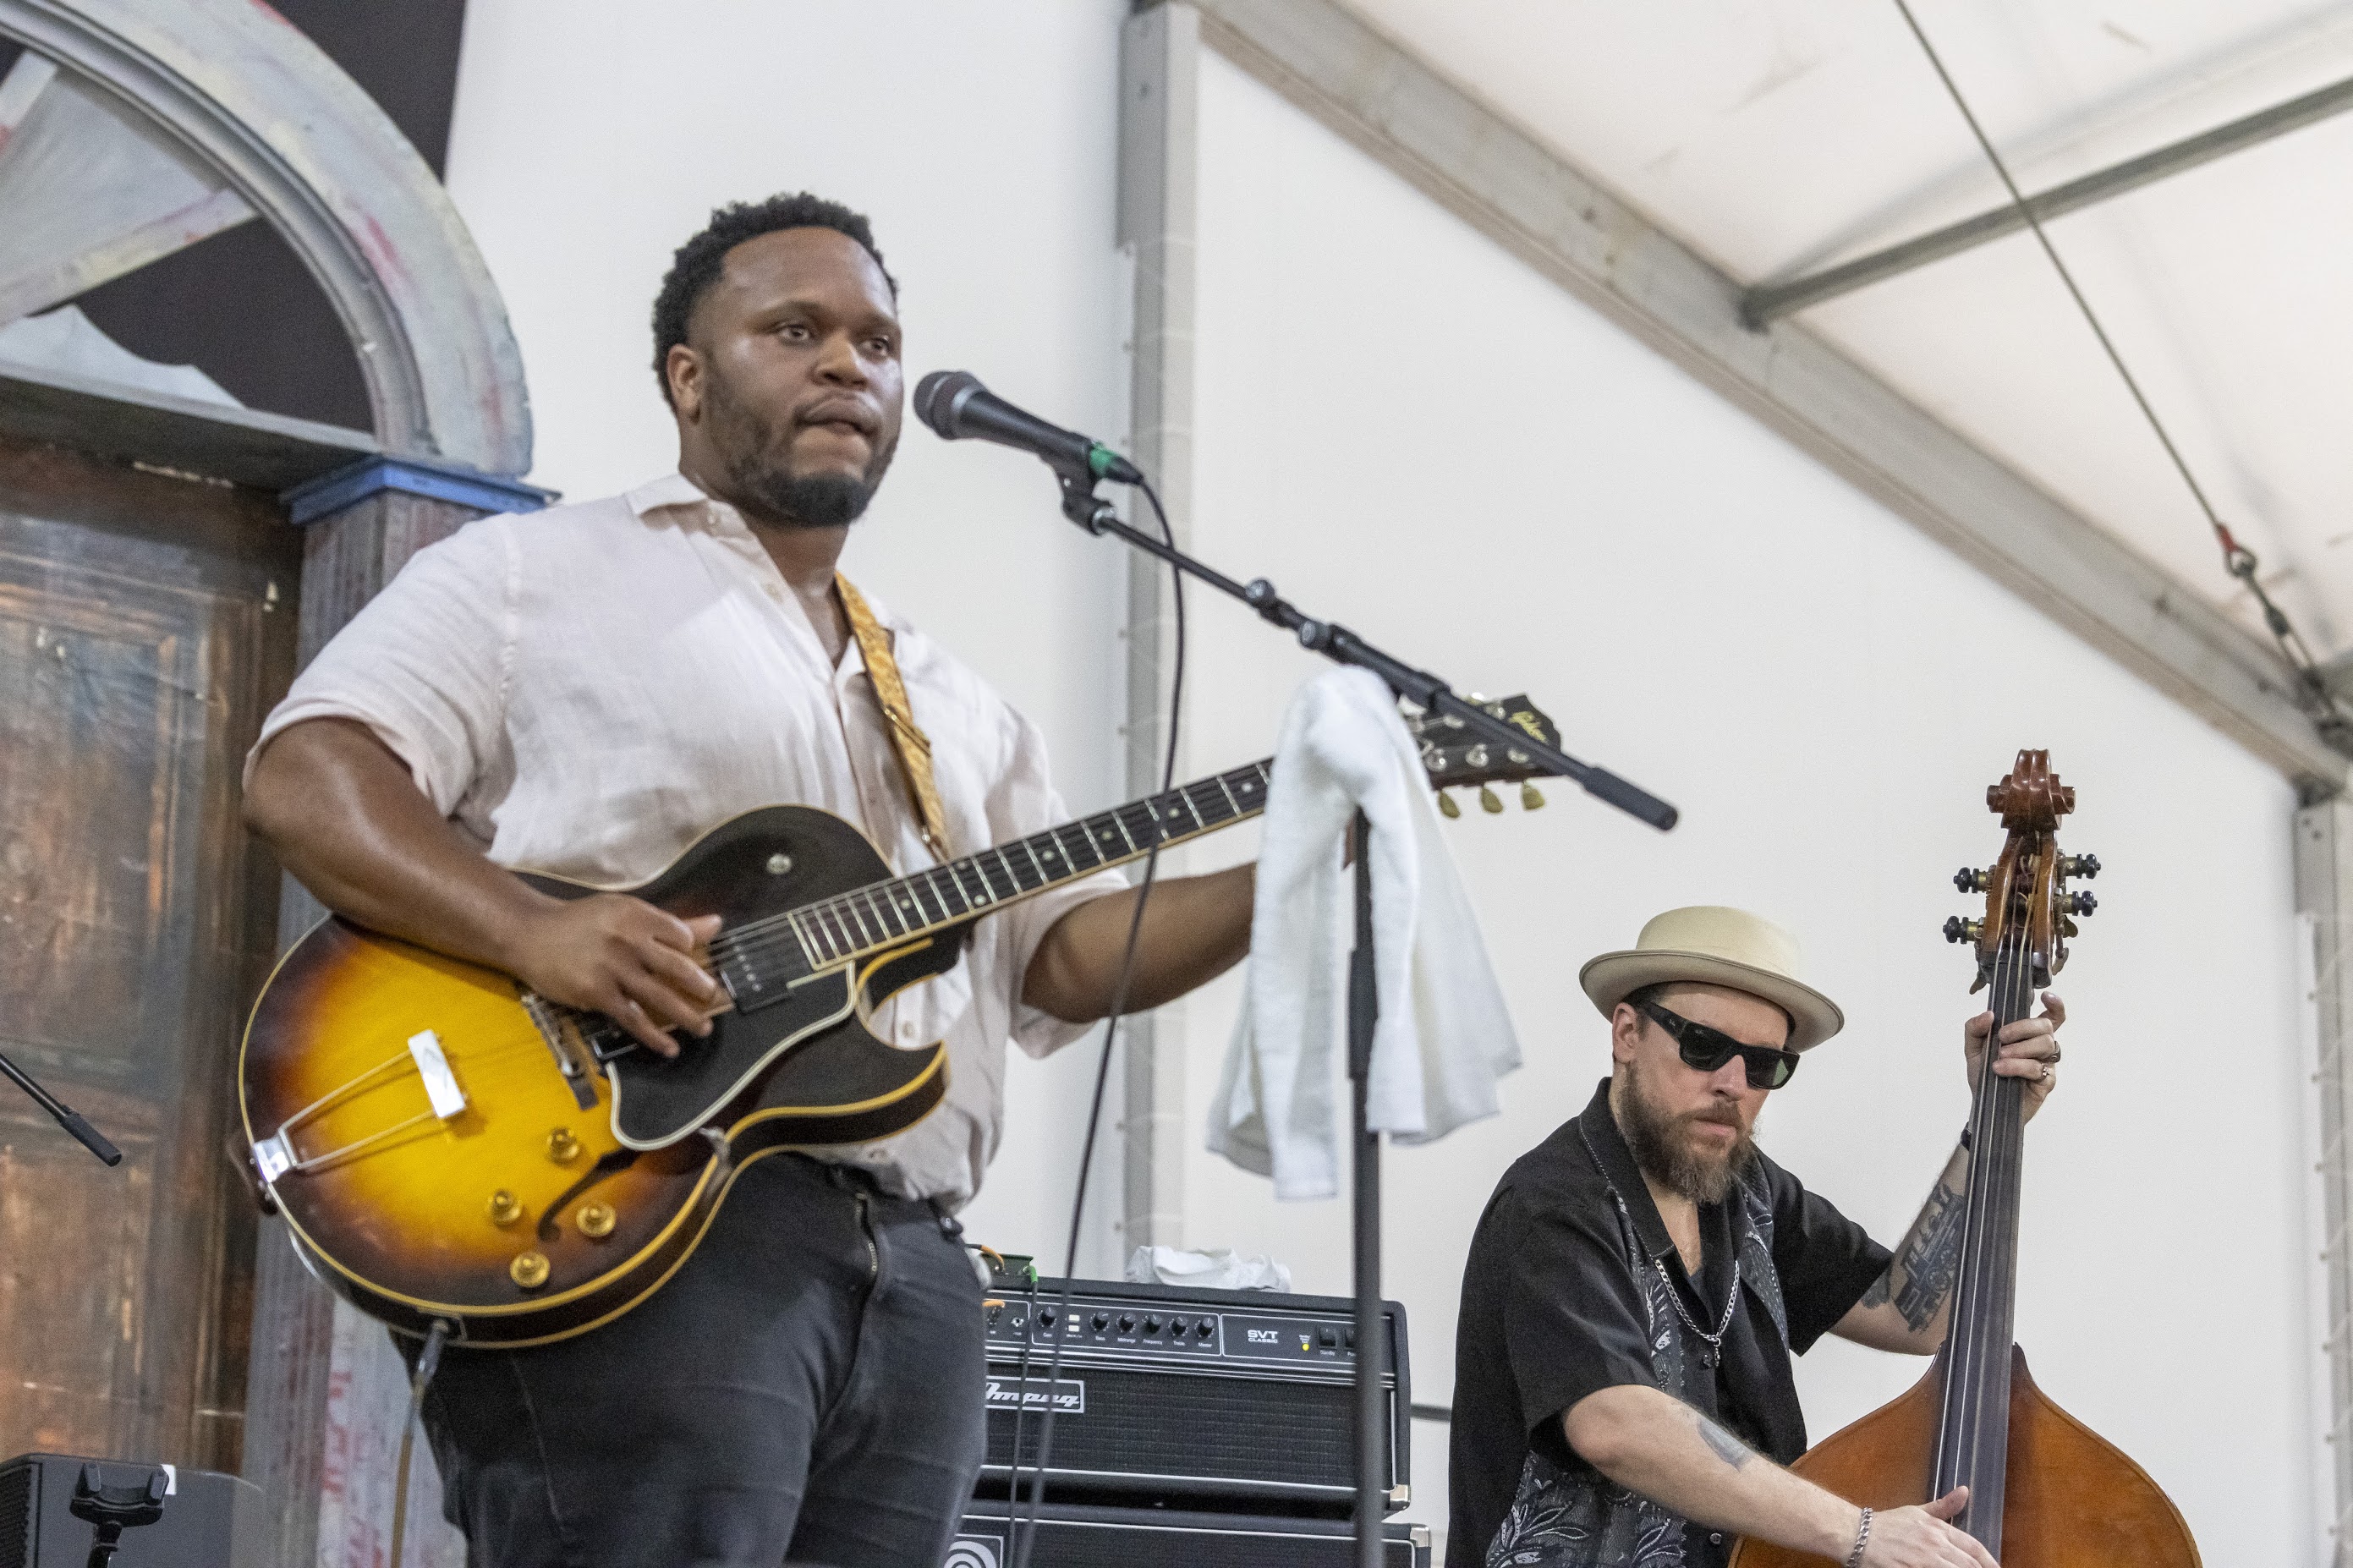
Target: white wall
{"type": "Point", "coordinates": [591, 137]}
{"type": "Point", "coordinates": [1407, 429]}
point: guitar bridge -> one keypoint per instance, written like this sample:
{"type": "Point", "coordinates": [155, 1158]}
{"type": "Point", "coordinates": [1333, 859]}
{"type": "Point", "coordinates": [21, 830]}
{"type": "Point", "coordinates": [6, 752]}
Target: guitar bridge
{"type": "Point", "coordinates": [557, 1032]}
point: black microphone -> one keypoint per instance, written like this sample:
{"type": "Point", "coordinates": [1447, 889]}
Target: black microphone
{"type": "Point", "coordinates": [958, 407]}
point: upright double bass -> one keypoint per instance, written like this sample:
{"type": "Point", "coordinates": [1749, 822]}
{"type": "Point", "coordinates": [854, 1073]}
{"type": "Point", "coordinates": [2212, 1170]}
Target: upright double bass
{"type": "Point", "coordinates": [2045, 1491]}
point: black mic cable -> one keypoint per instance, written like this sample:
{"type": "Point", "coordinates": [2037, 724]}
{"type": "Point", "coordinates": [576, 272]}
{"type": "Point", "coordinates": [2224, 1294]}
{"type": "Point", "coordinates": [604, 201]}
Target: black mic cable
{"type": "Point", "coordinates": [1025, 1531]}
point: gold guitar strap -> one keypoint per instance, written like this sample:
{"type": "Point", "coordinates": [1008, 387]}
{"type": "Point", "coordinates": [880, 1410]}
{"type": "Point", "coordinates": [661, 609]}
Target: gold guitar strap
{"type": "Point", "coordinates": [914, 747]}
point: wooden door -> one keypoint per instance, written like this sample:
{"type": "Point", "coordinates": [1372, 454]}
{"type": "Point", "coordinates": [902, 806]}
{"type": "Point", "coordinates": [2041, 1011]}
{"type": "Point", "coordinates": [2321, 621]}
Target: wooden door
{"type": "Point", "coordinates": [146, 625]}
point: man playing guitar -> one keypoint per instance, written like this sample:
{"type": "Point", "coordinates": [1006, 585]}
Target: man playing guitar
{"type": "Point", "coordinates": [585, 690]}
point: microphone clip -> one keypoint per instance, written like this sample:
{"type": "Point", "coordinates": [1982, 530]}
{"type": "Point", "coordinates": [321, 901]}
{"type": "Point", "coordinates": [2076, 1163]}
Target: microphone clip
{"type": "Point", "coordinates": [1081, 505]}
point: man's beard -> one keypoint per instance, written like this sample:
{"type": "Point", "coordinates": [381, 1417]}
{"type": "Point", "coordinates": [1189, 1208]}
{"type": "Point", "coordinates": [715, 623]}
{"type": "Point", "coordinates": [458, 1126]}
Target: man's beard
{"type": "Point", "coordinates": [1663, 1145]}
{"type": "Point", "coordinates": [772, 489]}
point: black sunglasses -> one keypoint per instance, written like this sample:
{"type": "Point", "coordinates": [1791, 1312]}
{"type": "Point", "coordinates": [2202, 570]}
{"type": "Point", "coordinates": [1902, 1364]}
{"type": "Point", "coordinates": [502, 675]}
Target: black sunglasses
{"type": "Point", "coordinates": [1705, 1050]}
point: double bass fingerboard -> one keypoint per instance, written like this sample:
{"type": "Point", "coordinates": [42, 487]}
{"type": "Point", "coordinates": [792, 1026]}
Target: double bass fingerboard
{"type": "Point", "coordinates": [1973, 1436]}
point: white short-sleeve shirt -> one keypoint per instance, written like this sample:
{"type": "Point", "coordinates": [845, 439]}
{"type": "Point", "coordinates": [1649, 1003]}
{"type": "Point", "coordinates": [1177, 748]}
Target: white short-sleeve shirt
{"type": "Point", "coordinates": [586, 690]}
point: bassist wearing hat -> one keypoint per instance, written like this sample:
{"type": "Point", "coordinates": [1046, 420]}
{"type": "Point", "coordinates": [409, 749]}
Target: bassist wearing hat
{"type": "Point", "coordinates": [1623, 1395]}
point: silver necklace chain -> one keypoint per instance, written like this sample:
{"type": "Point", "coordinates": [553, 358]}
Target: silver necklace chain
{"type": "Point", "coordinates": [1731, 1302]}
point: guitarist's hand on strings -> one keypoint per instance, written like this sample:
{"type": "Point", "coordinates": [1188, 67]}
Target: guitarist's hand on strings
{"type": "Point", "coordinates": [2030, 1052]}
{"type": "Point", "coordinates": [349, 821]}
{"type": "Point", "coordinates": [610, 954]}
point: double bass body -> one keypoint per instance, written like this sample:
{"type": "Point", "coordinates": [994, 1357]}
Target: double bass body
{"type": "Point", "coordinates": [2073, 1499]}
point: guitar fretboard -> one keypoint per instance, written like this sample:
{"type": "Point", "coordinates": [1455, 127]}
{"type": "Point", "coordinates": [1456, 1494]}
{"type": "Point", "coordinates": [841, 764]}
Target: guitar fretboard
{"type": "Point", "coordinates": [884, 915]}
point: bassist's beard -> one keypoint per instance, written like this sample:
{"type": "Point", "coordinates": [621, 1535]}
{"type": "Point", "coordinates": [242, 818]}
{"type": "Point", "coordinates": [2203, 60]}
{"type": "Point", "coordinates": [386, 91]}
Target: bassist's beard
{"type": "Point", "coordinates": [1664, 1146]}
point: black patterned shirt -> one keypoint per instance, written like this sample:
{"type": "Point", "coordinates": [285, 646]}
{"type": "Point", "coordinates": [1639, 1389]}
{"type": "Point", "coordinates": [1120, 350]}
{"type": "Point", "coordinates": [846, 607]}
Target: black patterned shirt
{"type": "Point", "coordinates": [1571, 1288]}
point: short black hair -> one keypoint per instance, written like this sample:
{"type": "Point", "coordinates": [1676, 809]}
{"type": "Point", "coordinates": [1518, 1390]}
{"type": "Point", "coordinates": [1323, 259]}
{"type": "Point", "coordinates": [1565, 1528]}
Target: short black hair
{"type": "Point", "coordinates": [695, 267]}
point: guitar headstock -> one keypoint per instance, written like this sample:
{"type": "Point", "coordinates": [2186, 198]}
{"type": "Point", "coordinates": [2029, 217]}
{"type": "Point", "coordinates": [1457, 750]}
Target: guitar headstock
{"type": "Point", "coordinates": [2028, 902]}
{"type": "Point", "coordinates": [1452, 755]}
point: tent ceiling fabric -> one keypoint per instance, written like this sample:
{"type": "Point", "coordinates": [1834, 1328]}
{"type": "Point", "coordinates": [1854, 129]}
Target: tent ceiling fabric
{"type": "Point", "coordinates": [1777, 140]}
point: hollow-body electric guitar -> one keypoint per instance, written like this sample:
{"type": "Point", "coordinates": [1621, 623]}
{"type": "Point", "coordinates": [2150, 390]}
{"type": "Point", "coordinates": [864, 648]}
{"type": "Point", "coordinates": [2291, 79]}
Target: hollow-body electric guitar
{"type": "Point", "coordinates": [448, 1147]}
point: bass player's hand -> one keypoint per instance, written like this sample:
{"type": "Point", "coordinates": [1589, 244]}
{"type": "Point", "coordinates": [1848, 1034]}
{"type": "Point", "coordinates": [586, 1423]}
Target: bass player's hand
{"type": "Point", "coordinates": [1923, 1537]}
{"type": "Point", "coordinates": [620, 956]}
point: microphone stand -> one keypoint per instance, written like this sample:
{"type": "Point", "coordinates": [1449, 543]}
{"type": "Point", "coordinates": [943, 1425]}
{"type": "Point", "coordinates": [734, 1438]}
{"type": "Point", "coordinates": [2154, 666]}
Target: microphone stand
{"type": "Point", "coordinates": [89, 1137]}
{"type": "Point", "coordinates": [1373, 1348]}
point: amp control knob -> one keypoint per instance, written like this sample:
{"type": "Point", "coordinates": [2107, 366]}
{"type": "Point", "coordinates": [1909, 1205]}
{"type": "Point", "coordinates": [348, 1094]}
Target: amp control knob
{"type": "Point", "coordinates": [1046, 1317]}
{"type": "Point", "coordinates": [1100, 1321]}
{"type": "Point", "coordinates": [1205, 1329]}
{"type": "Point", "coordinates": [1127, 1322]}
{"type": "Point", "coordinates": [1151, 1325]}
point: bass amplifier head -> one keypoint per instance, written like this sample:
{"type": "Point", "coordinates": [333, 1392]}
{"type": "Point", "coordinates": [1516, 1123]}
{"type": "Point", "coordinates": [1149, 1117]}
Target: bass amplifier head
{"type": "Point", "coordinates": [1076, 1536]}
{"type": "Point", "coordinates": [1194, 1398]}
{"type": "Point", "coordinates": [209, 1520]}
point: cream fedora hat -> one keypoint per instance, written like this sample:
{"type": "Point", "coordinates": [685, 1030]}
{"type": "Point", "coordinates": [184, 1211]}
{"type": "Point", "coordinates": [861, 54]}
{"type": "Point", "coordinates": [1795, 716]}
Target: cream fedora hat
{"type": "Point", "coordinates": [1718, 946]}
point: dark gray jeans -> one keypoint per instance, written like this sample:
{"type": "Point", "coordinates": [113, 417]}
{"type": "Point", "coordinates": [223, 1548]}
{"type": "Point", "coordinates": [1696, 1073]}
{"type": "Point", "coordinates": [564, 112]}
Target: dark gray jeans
{"type": "Point", "coordinates": [806, 1389]}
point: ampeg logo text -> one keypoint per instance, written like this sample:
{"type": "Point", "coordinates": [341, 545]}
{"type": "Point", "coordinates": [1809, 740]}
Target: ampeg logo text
{"type": "Point", "coordinates": [976, 1551]}
{"type": "Point", "coordinates": [1069, 1396]}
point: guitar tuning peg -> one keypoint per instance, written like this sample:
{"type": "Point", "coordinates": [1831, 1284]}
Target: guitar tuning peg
{"type": "Point", "coordinates": [1487, 800]}
{"type": "Point", "coordinates": [1531, 799]}
{"type": "Point", "coordinates": [1446, 806]}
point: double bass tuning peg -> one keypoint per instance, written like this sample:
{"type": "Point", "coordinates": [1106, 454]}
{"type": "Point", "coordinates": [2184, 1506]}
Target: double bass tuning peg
{"type": "Point", "coordinates": [1969, 880]}
{"type": "Point", "coordinates": [1958, 928]}
{"type": "Point", "coordinates": [2085, 866]}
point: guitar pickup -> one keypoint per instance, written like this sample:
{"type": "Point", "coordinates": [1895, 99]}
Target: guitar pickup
{"type": "Point", "coordinates": [433, 1066]}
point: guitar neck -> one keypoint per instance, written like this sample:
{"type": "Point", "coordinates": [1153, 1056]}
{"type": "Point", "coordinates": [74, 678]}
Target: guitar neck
{"type": "Point", "coordinates": [884, 915]}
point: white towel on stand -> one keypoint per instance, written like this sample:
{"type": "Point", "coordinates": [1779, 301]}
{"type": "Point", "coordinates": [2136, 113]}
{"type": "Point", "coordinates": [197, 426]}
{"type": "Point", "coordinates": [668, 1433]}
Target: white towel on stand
{"type": "Point", "coordinates": [1444, 1036]}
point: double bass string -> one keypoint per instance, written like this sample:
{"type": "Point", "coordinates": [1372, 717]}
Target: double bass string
{"type": "Point", "coordinates": [1977, 1389]}
{"type": "Point", "coordinates": [1962, 1428]}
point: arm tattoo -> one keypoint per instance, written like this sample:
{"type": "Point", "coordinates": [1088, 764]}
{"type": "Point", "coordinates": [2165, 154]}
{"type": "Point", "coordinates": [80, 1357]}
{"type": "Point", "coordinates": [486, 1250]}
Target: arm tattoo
{"type": "Point", "coordinates": [1932, 1258]}
{"type": "Point", "coordinates": [1877, 1295]}
{"type": "Point", "coordinates": [1725, 1446]}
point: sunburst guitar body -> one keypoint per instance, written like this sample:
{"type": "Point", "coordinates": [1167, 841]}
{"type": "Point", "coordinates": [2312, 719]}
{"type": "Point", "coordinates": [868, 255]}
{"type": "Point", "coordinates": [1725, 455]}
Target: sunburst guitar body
{"type": "Point", "coordinates": [445, 1147]}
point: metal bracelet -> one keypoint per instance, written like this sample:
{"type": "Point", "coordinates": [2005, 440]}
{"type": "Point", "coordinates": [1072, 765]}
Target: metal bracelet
{"type": "Point", "coordinates": [1854, 1558]}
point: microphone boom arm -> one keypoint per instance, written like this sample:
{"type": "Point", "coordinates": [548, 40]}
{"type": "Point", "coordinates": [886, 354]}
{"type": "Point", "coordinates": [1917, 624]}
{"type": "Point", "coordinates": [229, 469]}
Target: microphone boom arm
{"type": "Point", "coordinates": [1335, 642]}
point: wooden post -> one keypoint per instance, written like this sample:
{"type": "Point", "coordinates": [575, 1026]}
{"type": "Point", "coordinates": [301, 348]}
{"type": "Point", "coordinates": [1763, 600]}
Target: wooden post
{"type": "Point", "coordinates": [326, 1394]}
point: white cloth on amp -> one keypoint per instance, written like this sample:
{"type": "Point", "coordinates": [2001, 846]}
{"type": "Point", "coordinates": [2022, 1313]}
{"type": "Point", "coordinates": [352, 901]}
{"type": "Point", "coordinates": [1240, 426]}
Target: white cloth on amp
{"type": "Point", "coordinates": [1444, 1036]}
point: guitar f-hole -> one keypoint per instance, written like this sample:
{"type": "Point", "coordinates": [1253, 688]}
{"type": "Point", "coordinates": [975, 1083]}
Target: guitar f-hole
{"type": "Point", "coordinates": [618, 1159]}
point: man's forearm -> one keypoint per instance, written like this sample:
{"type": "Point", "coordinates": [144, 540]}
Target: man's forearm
{"type": "Point", "coordinates": [349, 823]}
{"type": "Point", "coordinates": [1918, 1285]}
{"type": "Point", "coordinates": [1653, 1444]}
{"type": "Point", "coordinates": [1195, 929]}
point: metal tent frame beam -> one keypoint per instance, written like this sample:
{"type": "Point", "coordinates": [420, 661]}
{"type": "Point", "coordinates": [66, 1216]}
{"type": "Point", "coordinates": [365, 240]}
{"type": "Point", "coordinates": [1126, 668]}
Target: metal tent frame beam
{"type": "Point", "coordinates": [1766, 302]}
{"type": "Point", "coordinates": [1493, 175]}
